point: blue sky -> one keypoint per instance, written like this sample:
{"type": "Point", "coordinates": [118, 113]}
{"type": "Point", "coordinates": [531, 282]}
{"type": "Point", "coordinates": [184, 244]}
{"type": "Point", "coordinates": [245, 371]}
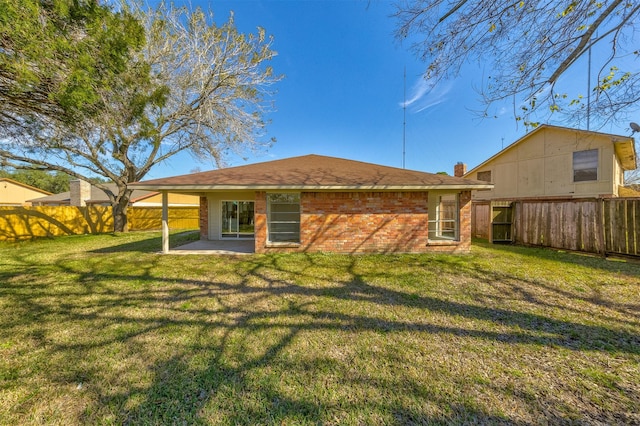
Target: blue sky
{"type": "Point", "coordinates": [343, 92]}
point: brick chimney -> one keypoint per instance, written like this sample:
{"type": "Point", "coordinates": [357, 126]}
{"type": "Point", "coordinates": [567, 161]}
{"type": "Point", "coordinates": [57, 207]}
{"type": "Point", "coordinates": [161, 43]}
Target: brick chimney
{"type": "Point", "coordinates": [80, 192]}
{"type": "Point", "coordinates": [459, 169]}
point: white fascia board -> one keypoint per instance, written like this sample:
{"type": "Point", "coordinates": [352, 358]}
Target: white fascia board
{"type": "Point", "coordinates": [210, 188]}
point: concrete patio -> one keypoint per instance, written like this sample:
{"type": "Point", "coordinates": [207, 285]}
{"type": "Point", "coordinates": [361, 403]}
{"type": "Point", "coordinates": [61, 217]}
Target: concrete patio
{"type": "Point", "coordinates": [227, 247]}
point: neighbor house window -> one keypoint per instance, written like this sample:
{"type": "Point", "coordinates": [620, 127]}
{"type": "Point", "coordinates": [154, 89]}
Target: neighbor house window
{"type": "Point", "coordinates": [283, 218]}
{"type": "Point", "coordinates": [484, 176]}
{"type": "Point", "coordinates": [445, 222]}
{"type": "Point", "coordinates": [585, 165]}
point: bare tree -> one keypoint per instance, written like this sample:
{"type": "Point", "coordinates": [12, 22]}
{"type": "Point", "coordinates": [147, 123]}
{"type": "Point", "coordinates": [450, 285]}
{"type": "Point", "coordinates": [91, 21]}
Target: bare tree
{"type": "Point", "coordinates": [194, 87]}
{"type": "Point", "coordinates": [527, 46]}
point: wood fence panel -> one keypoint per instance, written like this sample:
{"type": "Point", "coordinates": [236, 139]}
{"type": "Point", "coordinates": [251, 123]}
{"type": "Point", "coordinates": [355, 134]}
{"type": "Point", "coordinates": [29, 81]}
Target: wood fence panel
{"type": "Point", "coordinates": [18, 223]}
{"type": "Point", "coordinates": [480, 220]}
{"type": "Point", "coordinates": [615, 234]}
{"type": "Point", "coordinates": [567, 224]}
{"type": "Point", "coordinates": [591, 227]}
{"type": "Point", "coordinates": [622, 224]}
{"type": "Point", "coordinates": [633, 228]}
{"type": "Point", "coordinates": [609, 225]}
{"type": "Point", "coordinates": [560, 219]}
{"type": "Point", "coordinates": [150, 218]}
{"type": "Point", "coordinates": [527, 224]}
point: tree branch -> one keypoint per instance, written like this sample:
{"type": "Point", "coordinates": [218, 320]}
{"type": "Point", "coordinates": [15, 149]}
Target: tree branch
{"type": "Point", "coordinates": [581, 48]}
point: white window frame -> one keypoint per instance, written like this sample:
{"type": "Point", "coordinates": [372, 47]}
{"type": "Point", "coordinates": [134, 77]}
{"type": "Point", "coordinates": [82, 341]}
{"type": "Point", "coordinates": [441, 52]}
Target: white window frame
{"type": "Point", "coordinates": [442, 227]}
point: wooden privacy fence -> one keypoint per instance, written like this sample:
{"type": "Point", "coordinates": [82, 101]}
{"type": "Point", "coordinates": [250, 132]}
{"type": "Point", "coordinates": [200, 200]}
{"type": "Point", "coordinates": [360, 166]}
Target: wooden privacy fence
{"type": "Point", "coordinates": [150, 218]}
{"type": "Point", "coordinates": [480, 219]}
{"type": "Point", "coordinates": [603, 225]}
{"type": "Point", "coordinates": [622, 225]}
{"type": "Point", "coordinates": [17, 223]}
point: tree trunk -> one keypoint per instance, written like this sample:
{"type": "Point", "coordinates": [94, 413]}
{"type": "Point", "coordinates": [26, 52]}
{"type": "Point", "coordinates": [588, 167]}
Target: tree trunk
{"type": "Point", "coordinates": [120, 223]}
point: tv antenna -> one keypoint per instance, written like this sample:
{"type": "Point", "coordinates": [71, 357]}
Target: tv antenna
{"type": "Point", "coordinates": [589, 90]}
{"type": "Point", "coordinates": [404, 116]}
{"type": "Point", "coordinates": [634, 127]}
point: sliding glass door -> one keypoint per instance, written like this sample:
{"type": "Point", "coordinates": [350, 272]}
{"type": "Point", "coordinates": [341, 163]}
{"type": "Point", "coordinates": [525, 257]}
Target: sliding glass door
{"type": "Point", "coordinates": [237, 219]}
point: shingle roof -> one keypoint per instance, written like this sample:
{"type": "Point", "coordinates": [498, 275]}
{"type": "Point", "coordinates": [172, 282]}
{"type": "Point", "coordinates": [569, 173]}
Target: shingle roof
{"type": "Point", "coordinates": [311, 172]}
{"type": "Point", "coordinates": [98, 196]}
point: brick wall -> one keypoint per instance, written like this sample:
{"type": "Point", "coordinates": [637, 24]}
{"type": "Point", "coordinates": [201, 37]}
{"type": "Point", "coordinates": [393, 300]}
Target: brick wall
{"type": "Point", "coordinates": [260, 222]}
{"type": "Point", "coordinates": [364, 222]}
{"type": "Point", "coordinates": [464, 201]}
{"type": "Point", "coordinates": [204, 218]}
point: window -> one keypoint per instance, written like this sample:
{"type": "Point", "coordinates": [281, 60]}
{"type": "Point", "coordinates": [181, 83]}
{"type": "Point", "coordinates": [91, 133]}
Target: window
{"type": "Point", "coordinates": [484, 176]}
{"type": "Point", "coordinates": [446, 220]}
{"type": "Point", "coordinates": [283, 218]}
{"type": "Point", "coordinates": [585, 165]}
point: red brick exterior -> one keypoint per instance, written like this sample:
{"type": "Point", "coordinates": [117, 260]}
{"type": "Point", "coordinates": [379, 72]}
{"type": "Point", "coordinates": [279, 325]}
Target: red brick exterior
{"type": "Point", "coordinates": [464, 203]}
{"type": "Point", "coordinates": [204, 218]}
{"type": "Point", "coordinates": [364, 222]}
{"type": "Point", "coordinates": [260, 222]}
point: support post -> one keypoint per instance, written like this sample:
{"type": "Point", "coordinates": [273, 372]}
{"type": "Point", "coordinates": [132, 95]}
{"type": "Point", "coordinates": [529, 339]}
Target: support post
{"type": "Point", "coordinates": [165, 222]}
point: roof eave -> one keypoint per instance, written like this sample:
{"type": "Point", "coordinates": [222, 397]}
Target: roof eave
{"type": "Point", "coordinates": [626, 153]}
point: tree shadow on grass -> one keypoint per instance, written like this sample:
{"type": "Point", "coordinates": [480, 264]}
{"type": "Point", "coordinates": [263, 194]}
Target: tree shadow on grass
{"type": "Point", "coordinates": [151, 245]}
{"type": "Point", "coordinates": [236, 367]}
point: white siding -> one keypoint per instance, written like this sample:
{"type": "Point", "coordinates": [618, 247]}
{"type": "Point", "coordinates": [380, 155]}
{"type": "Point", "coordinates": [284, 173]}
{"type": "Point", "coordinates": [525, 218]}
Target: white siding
{"type": "Point", "coordinates": [542, 166]}
{"type": "Point", "coordinates": [215, 208]}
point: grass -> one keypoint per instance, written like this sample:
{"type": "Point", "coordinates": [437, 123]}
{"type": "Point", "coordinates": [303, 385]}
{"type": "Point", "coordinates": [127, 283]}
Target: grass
{"type": "Point", "coordinates": [103, 330]}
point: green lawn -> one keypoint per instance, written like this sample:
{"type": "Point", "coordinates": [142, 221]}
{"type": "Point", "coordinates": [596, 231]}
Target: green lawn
{"type": "Point", "coordinates": [103, 330]}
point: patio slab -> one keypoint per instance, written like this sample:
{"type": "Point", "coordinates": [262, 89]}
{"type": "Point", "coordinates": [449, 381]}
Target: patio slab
{"type": "Point", "coordinates": [234, 247]}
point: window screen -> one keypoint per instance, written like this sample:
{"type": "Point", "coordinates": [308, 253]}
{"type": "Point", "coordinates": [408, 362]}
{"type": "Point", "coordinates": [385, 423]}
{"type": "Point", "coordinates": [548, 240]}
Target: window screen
{"type": "Point", "coordinates": [446, 218]}
{"type": "Point", "coordinates": [283, 218]}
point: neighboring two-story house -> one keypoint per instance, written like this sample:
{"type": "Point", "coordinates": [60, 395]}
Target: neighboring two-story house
{"type": "Point", "coordinates": [546, 166]}
{"type": "Point", "coordinates": [557, 162]}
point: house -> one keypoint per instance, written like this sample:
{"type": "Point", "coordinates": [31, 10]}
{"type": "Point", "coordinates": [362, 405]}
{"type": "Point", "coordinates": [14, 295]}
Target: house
{"type": "Point", "coordinates": [13, 193]}
{"type": "Point", "coordinates": [546, 187]}
{"type": "Point", "coordinates": [557, 162]}
{"type": "Point", "coordinates": [82, 193]}
{"type": "Point", "coordinates": [316, 203]}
